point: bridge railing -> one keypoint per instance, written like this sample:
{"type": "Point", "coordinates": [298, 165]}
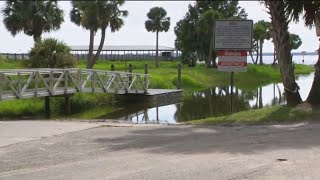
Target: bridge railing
{"type": "Point", "coordinates": [30, 83]}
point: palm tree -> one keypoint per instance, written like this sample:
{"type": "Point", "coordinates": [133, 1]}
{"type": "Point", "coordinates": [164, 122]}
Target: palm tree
{"type": "Point", "coordinates": [260, 34]}
{"type": "Point", "coordinates": [311, 14]}
{"type": "Point", "coordinates": [157, 22]}
{"type": "Point", "coordinates": [205, 29]}
{"type": "Point", "coordinates": [95, 15]}
{"type": "Point", "coordinates": [281, 38]}
{"type": "Point", "coordinates": [51, 53]}
{"type": "Point", "coordinates": [32, 17]}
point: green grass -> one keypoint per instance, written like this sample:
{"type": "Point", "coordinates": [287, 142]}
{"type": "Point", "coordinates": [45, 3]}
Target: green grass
{"type": "Point", "coordinates": [195, 78]}
{"type": "Point", "coordinates": [12, 64]}
{"type": "Point", "coordinates": [201, 77]}
{"type": "Point", "coordinates": [21, 108]}
{"type": "Point", "coordinates": [303, 69]}
{"type": "Point", "coordinates": [258, 116]}
{"type": "Point", "coordinates": [93, 113]}
{"type": "Point", "coordinates": [165, 77]}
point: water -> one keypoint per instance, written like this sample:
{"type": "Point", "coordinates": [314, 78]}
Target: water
{"type": "Point", "coordinates": [211, 102]}
{"type": "Point", "coordinates": [308, 59]}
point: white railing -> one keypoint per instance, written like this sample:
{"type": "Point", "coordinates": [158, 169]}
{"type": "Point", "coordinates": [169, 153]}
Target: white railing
{"type": "Point", "coordinates": [30, 83]}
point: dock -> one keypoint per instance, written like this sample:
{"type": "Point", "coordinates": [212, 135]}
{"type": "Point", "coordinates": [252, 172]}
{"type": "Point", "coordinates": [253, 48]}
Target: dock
{"type": "Point", "coordinates": [153, 95]}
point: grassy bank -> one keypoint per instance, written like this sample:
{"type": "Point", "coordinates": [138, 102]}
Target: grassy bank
{"type": "Point", "coordinates": [165, 77]}
{"type": "Point", "coordinates": [194, 78]}
{"type": "Point", "coordinates": [200, 77]}
{"type": "Point", "coordinates": [259, 116]}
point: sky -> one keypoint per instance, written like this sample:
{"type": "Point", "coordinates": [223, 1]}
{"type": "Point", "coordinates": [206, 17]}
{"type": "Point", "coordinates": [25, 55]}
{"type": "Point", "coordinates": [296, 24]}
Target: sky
{"type": "Point", "coordinates": [134, 32]}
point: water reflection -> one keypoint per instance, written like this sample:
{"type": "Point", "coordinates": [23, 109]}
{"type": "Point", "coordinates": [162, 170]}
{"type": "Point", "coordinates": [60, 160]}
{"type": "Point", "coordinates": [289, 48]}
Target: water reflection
{"type": "Point", "coordinates": [211, 102]}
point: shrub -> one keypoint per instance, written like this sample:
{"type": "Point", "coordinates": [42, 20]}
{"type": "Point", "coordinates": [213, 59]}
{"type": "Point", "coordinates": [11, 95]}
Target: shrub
{"type": "Point", "coordinates": [50, 53]}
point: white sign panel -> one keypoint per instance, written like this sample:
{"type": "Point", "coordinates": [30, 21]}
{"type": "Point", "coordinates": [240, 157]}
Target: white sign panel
{"type": "Point", "coordinates": [232, 61]}
{"type": "Point", "coordinates": [233, 34]}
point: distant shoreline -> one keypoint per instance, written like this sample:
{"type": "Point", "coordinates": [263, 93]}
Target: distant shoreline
{"type": "Point", "coordinates": [293, 53]}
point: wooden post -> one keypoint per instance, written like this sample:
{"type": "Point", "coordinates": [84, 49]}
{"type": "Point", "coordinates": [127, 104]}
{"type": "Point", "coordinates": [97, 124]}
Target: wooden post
{"type": "Point", "coordinates": [231, 95]}
{"type": "Point", "coordinates": [66, 82]}
{"type": "Point", "coordinates": [157, 114]}
{"type": "Point", "coordinates": [146, 76]}
{"type": "Point", "coordinates": [179, 77]}
{"type": "Point", "coordinates": [36, 81]}
{"type": "Point", "coordinates": [130, 76]}
{"type": "Point", "coordinates": [112, 67]}
{"type": "Point", "coordinates": [47, 106]}
{"type": "Point", "coordinates": [51, 82]}
{"type": "Point", "coordinates": [67, 104]}
{"type": "Point", "coordinates": [1, 84]}
{"type": "Point", "coordinates": [19, 85]}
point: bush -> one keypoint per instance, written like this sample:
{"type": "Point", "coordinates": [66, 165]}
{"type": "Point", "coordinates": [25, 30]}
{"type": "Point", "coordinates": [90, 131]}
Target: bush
{"type": "Point", "coordinates": [50, 53]}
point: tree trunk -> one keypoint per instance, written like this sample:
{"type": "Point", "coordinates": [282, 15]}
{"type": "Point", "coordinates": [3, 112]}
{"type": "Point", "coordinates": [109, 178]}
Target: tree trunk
{"type": "Point", "coordinates": [36, 37]}
{"type": "Point", "coordinates": [157, 53]}
{"type": "Point", "coordinates": [251, 55]}
{"type": "Point", "coordinates": [260, 98]}
{"type": "Point", "coordinates": [103, 36]}
{"type": "Point", "coordinates": [214, 59]}
{"type": "Point", "coordinates": [261, 49]}
{"type": "Point", "coordinates": [274, 57]}
{"type": "Point", "coordinates": [314, 94]}
{"type": "Point", "coordinates": [257, 55]}
{"type": "Point", "coordinates": [210, 53]}
{"type": "Point", "coordinates": [282, 44]}
{"type": "Point", "coordinates": [89, 62]}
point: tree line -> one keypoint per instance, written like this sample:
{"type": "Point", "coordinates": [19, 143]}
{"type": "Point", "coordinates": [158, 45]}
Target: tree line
{"type": "Point", "coordinates": [37, 17]}
{"type": "Point", "coordinates": [193, 32]}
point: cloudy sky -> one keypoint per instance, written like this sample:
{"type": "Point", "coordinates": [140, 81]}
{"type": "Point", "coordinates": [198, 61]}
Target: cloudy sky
{"type": "Point", "coordinates": [134, 32]}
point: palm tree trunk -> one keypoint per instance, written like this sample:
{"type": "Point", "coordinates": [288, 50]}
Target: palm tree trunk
{"type": "Point", "coordinates": [251, 55]}
{"type": "Point", "coordinates": [89, 62]}
{"type": "Point", "coordinates": [157, 53]}
{"type": "Point", "coordinates": [274, 57]}
{"type": "Point", "coordinates": [314, 95]}
{"type": "Point", "coordinates": [261, 49]}
{"type": "Point", "coordinates": [36, 37]}
{"type": "Point", "coordinates": [282, 44]}
{"type": "Point", "coordinates": [257, 55]}
{"type": "Point", "coordinates": [103, 36]}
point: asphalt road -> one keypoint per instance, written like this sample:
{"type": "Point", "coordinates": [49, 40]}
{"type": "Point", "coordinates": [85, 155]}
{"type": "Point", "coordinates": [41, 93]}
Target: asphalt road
{"type": "Point", "coordinates": [169, 152]}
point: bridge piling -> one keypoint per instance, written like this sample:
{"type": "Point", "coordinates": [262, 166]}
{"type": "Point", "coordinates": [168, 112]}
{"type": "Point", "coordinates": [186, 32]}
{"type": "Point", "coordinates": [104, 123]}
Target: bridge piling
{"type": "Point", "coordinates": [179, 77]}
{"type": "Point", "coordinates": [1, 85]}
{"type": "Point", "coordinates": [146, 75]}
{"type": "Point", "coordinates": [67, 105]}
{"type": "Point", "coordinates": [47, 106]}
{"type": "Point", "coordinates": [130, 71]}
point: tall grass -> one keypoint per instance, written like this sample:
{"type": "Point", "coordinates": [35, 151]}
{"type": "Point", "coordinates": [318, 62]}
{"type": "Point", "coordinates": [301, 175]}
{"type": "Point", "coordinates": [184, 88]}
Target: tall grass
{"type": "Point", "coordinates": [21, 108]}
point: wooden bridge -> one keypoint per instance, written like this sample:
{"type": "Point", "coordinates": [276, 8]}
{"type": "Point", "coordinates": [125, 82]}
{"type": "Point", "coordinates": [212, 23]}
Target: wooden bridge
{"type": "Point", "coordinates": [32, 83]}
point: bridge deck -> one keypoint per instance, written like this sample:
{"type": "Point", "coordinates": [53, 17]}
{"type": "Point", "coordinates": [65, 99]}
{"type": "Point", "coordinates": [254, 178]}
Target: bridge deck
{"type": "Point", "coordinates": [31, 83]}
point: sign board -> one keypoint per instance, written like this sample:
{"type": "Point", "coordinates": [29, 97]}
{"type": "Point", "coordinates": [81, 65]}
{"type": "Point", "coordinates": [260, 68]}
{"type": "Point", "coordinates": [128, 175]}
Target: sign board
{"type": "Point", "coordinates": [233, 34]}
{"type": "Point", "coordinates": [232, 61]}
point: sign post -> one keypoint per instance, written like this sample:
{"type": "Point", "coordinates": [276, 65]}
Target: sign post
{"type": "Point", "coordinates": [232, 38]}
